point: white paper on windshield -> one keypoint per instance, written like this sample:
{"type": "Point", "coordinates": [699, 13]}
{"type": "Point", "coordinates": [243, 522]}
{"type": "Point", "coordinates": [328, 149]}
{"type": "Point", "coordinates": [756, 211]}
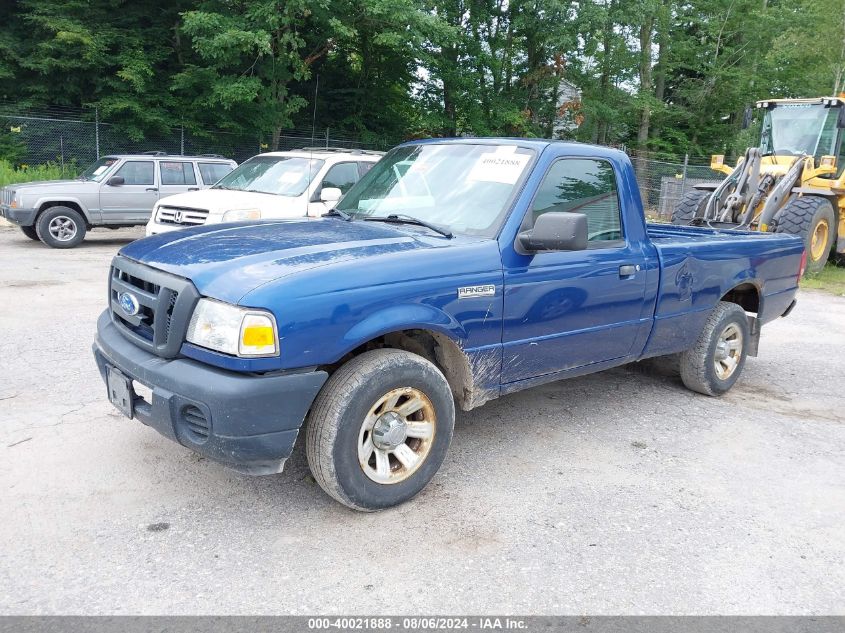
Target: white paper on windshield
{"type": "Point", "coordinates": [290, 177]}
{"type": "Point", "coordinates": [101, 169]}
{"type": "Point", "coordinates": [504, 166]}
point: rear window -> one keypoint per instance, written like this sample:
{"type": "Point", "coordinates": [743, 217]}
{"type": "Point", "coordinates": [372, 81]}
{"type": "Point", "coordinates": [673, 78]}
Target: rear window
{"type": "Point", "coordinates": [212, 172]}
{"type": "Point", "coordinates": [177, 173]}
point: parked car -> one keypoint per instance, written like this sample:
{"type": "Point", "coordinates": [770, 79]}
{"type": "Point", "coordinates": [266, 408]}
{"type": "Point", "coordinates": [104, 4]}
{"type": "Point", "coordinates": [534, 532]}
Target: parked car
{"type": "Point", "coordinates": [454, 272]}
{"type": "Point", "coordinates": [116, 191]}
{"type": "Point", "coordinates": [275, 185]}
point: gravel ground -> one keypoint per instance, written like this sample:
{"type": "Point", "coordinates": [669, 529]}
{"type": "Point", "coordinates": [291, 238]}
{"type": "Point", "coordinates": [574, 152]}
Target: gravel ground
{"type": "Point", "coordinates": [618, 493]}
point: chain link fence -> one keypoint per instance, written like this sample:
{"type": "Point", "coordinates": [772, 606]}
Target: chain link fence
{"type": "Point", "coordinates": [663, 182]}
{"type": "Point", "coordinates": [74, 138]}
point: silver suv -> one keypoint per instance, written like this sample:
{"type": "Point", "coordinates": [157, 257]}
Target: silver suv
{"type": "Point", "coordinates": [114, 192]}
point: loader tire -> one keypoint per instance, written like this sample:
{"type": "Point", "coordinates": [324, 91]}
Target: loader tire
{"type": "Point", "coordinates": [813, 219]}
{"type": "Point", "coordinates": [690, 206]}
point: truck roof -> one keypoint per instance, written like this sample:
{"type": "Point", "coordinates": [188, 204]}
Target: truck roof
{"type": "Point", "coordinates": [537, 144]}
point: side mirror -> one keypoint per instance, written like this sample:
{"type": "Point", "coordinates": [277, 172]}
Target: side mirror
{"type": "Point", "coordinates": [330, 194]}
{"type": "Point", "coordinates": [115, 181]}
{"type": "Point", "coordinates": [556, 231]}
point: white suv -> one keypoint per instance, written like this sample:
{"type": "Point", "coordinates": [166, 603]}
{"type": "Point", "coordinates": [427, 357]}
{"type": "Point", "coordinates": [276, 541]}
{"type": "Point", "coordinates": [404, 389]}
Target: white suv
{"type": "Point", "coordinates": [287, 184]}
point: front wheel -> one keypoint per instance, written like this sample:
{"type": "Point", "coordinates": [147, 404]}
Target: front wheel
{"type": "Point", "coordinates": [715, 362]}
{"type": "Point", "coordinates": [61, 227]}
{"type": "Point", "coordinates": [30, 232]}
{"type": "Point", "coordinates": [379, 429]}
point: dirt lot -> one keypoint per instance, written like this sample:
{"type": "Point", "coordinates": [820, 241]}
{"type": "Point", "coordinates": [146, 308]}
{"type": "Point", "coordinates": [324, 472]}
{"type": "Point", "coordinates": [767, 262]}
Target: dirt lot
{"type": "Point", "coordinates": [615, 493]}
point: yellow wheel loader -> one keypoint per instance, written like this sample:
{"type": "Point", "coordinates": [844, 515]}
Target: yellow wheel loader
{"type": "Point", "coordinates": [794, 182]}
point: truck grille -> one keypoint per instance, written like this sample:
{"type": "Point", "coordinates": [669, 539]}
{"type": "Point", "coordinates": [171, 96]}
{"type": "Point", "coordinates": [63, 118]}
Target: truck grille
{"type": "Point", "coordinates": [183, 216]}
{"type": "Point", "coordinates": [160, 305]}
{"type": "Point", "coordinates": [8, 194]}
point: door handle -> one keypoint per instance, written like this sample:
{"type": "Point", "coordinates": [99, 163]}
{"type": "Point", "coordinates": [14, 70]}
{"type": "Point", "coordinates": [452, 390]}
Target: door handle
{"type": "Point", "coordinates": [628, 270]}
{"type": "Point", "coordinates": [152, 189]}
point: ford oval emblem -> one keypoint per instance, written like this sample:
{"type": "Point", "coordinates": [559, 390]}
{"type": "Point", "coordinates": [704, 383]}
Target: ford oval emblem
{"type": "Point", "coordinates": [129, 303]}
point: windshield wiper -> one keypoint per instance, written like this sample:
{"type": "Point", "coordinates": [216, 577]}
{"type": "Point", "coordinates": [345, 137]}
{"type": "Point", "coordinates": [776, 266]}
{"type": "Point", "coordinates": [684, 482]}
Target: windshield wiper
{"type": "Point", "coordinates": [402, 218]}
{"type": "Point", "coordinates": [338, 213]}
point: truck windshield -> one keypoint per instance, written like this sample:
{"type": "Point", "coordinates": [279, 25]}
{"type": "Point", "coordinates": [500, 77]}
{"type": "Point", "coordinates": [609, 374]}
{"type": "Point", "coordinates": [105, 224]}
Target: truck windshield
{"type": "Point", "coordinates": [278, 175]}
{"type": "Point", "coordinates": [98, 170]}
{"type": "Point", "coordinates": [461, 187]}
{"type": "Point", "coordinates": [799, 128]}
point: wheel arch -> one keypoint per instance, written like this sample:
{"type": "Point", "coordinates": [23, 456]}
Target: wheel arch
{"type": "Point", "coordinates": [472, 379]}
{"type": "Point", "coordinates": [746, 295]}
{"type": "Point", "coordinates": [70, 203]}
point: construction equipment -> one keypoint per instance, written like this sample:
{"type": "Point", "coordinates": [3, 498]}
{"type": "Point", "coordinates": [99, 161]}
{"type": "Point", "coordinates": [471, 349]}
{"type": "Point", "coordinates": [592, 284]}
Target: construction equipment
{"type": "Point", "coordinates": [794, 182]}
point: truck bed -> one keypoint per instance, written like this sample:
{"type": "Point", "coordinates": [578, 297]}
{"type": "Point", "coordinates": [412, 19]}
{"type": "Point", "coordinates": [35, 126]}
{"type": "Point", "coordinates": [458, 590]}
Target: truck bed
{"type": "Point", "coordinates": [699, 265]}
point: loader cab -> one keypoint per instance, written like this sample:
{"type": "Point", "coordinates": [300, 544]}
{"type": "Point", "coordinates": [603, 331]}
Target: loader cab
{"type": "Point", "coordinates": [792, 127]}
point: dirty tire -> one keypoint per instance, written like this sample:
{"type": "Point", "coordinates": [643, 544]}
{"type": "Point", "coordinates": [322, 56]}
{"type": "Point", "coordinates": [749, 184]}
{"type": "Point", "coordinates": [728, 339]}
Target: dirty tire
{"type": "Point", "coordinates": [802, 217]}
{"type": "Point", "coordinates": [698, 370]}
{"type": "Point", "coordinates": [30, 232]}
{"type": "Point", "coordinates": [338, 413]}
{"type": "Point", "coordinates": [690, 206]}
{"type": "Point", "coordinates": [71, 231]}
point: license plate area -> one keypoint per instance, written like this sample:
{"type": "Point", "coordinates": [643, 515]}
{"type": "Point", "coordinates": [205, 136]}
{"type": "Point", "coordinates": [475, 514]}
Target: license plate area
{"type": "Point", "coordinates": [120, 391]}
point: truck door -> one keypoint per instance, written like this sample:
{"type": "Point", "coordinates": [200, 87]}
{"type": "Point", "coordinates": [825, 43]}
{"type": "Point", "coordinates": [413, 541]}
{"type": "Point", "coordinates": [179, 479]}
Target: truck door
{"type": "Point", "coordinates": [133, 200]}
{"type": "Point", "coordinates": [566, 309]}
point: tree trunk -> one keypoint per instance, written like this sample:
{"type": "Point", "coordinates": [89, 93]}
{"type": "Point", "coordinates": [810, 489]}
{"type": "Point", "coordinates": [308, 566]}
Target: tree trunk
{"type": "Point", "coordinates": [645, 80]}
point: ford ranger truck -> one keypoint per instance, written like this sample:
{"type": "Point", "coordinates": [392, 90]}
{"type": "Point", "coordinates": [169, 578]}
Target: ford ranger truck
{"type": "Point", "coordinates": [454, 272]}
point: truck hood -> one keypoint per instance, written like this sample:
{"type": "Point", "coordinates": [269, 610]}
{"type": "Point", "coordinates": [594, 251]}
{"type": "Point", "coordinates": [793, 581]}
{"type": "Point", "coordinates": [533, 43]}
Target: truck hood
{"type": "Point", "coordinates": [227, 261]}
{"type": "Point", "coordinates": [43, 185]}
{"type": "Point", "coordinates": [218, 201]}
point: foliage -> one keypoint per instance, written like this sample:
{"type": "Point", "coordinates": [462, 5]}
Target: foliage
{"type": "Point", "coordinates": [9, 174]}
{"type": "Point", "coordinates": [831, 278]}
{"type": "Point", "coordinates": [664, 76]}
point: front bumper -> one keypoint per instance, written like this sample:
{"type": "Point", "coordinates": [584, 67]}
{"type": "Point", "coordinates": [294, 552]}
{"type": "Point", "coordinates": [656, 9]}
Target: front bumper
{"type": "Point", "coordinates": [21, 217]}
{"type": "Point", "coordinates": [153, 228]}
{"type": "Point", "coordinates": [251, 420]}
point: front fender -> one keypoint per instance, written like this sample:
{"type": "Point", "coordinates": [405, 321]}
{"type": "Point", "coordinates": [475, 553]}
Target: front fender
{"type": "Point", "coordinates": [401, 317]}
{"type": "Point", "coordinates": [63, 200]}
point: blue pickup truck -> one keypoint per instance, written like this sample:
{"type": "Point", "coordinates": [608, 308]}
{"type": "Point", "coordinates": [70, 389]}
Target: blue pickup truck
{"type": "Point", "coordinates": [454, 272]}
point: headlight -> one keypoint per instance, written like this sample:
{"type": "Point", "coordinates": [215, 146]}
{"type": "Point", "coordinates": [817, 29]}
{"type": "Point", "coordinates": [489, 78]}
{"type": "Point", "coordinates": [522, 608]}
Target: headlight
{"type": "Point", "coordinates": [236, 215]}
{"type": "Point", "coordinates": [233, 330]}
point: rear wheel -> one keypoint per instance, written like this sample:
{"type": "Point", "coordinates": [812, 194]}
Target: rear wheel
{"type": "Point", "coordinates": [60, 227]}
{"type": "Point", "coordinates": [715, 362]}
{"type": "Point", "coordinates": [690, 206]}
{"type": "Point", "coordinates": [379, 429]}
{"type": "Point", "coordinates": [812, 218]}
{"type": "Point", "coordinates": [30, 232]}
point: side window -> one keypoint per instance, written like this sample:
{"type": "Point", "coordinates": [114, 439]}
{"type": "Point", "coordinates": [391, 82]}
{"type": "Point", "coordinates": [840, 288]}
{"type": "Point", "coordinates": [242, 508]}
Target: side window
{"type": "Point", "coordinates": [581, 185]}
{"type": "Point", "coordinates": [137, 172]}
{"type": "Point", "coordinates": [342, 176]}
{"type": "Point", "coordinates": [173, 173]}
{"type": "Point", "coordinates": [363, 168]}
{"type": "Point", "coordinates": [212, 172]}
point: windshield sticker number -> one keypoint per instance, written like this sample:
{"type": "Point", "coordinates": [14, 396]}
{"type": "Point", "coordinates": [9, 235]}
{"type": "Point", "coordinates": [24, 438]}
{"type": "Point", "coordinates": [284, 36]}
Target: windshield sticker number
{"type": "Point", "coordinates": [500, 167]}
